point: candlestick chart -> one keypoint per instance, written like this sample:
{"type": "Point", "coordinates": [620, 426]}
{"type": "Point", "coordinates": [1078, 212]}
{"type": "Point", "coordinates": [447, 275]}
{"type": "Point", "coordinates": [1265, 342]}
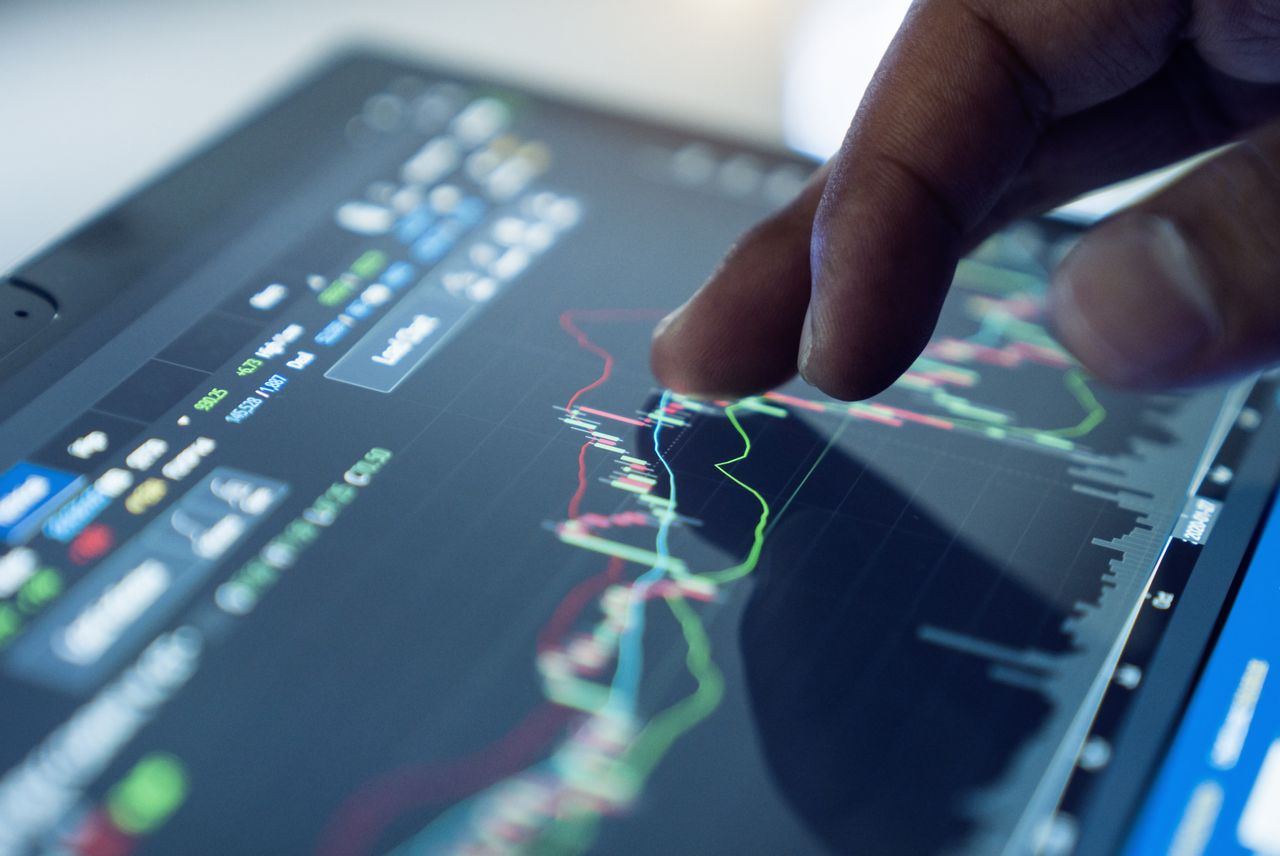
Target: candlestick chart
{"type": "Point", "coordinates": [993, 445]}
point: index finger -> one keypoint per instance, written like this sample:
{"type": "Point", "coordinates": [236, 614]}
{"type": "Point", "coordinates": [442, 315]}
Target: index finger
{"type": "Point", "coordinates": [959, 103]}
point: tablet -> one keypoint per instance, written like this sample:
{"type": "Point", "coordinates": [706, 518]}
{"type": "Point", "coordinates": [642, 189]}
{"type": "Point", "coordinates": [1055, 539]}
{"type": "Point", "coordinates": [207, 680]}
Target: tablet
{"type": "Point", "coordinates": [341, 515]}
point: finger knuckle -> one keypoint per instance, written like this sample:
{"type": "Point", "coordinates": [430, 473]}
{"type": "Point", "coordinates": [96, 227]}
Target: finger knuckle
{"type": "Point", "coordinates": [1242, 37]}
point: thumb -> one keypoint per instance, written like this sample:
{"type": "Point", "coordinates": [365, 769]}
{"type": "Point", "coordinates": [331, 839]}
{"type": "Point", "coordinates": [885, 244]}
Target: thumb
{"type": "Point", "coordinates": [1185, 287]}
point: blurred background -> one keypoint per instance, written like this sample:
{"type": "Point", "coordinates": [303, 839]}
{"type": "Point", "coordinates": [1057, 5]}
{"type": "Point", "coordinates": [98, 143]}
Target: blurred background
{"type": "Point", "coordinates": [99, 95]}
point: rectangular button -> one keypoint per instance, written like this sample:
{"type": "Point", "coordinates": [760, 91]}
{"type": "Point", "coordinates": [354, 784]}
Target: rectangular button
{"type": "Point", "coordinates": [27, 494]}
{"type": "Point", "coordinates": [402, 341]}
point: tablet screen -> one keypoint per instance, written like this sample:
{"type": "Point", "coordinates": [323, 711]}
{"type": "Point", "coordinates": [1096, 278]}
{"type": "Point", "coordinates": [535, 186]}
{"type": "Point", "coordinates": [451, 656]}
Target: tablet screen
{"type": "Point", "coordinates": [364, 527]}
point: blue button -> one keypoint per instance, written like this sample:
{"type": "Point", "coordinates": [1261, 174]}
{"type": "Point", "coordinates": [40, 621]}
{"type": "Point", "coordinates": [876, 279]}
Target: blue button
{"type": "Point", "coordinates": [412, 225]}
{"type": "Point", "coordinates": [333, 333]}
{"type": "Point", "coordinates": [27, 493]}
{"type": "Point", "coordinates": [438, 240]}
{"type": "Point", "coordinates": [398, 275]}
{"type": "Point", "coordinates": [359, 309]}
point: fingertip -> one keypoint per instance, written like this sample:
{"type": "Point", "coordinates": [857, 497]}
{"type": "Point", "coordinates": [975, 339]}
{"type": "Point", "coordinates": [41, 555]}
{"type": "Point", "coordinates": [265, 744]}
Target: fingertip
{"type": "Point", "coordinates": [674, 369]}
{"type": "Point", "coordinates": [739, 334]}
{"type": "Point", "coordinates": [849, 378]}
{"type": "Point", "coordinates": [858, 388]}
{"type": "Point", "coordinates": [870, 319]}
{"type": "Point", "coordinates": [701, 350]}
{"type": "Point", "coordinates": [884, 255]}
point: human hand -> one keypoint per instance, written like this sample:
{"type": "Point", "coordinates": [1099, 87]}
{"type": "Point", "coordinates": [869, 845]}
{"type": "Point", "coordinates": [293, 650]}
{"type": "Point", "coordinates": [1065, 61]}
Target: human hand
{"type": "Point", "coordinates": [986, 110]}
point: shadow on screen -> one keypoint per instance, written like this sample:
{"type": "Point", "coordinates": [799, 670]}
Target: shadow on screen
{"type": "Point", "coordinates": [879, 740]}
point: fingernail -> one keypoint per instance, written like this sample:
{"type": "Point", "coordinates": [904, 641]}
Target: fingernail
{"type": "Point", "coordinates": [1132, 303]}
{"type": "Point", "coordinates": [666, 322]}
{"type": "Point", "coordinates": [806, 348]}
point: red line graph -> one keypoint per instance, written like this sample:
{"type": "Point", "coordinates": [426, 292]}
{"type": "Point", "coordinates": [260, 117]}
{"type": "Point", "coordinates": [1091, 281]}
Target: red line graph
{"type": "Point", "coordinates": [575, 504]}
{"type": "Point", "coordinates": [569, 322]}
{"type": "Point", "coordinates": [364, 817]}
